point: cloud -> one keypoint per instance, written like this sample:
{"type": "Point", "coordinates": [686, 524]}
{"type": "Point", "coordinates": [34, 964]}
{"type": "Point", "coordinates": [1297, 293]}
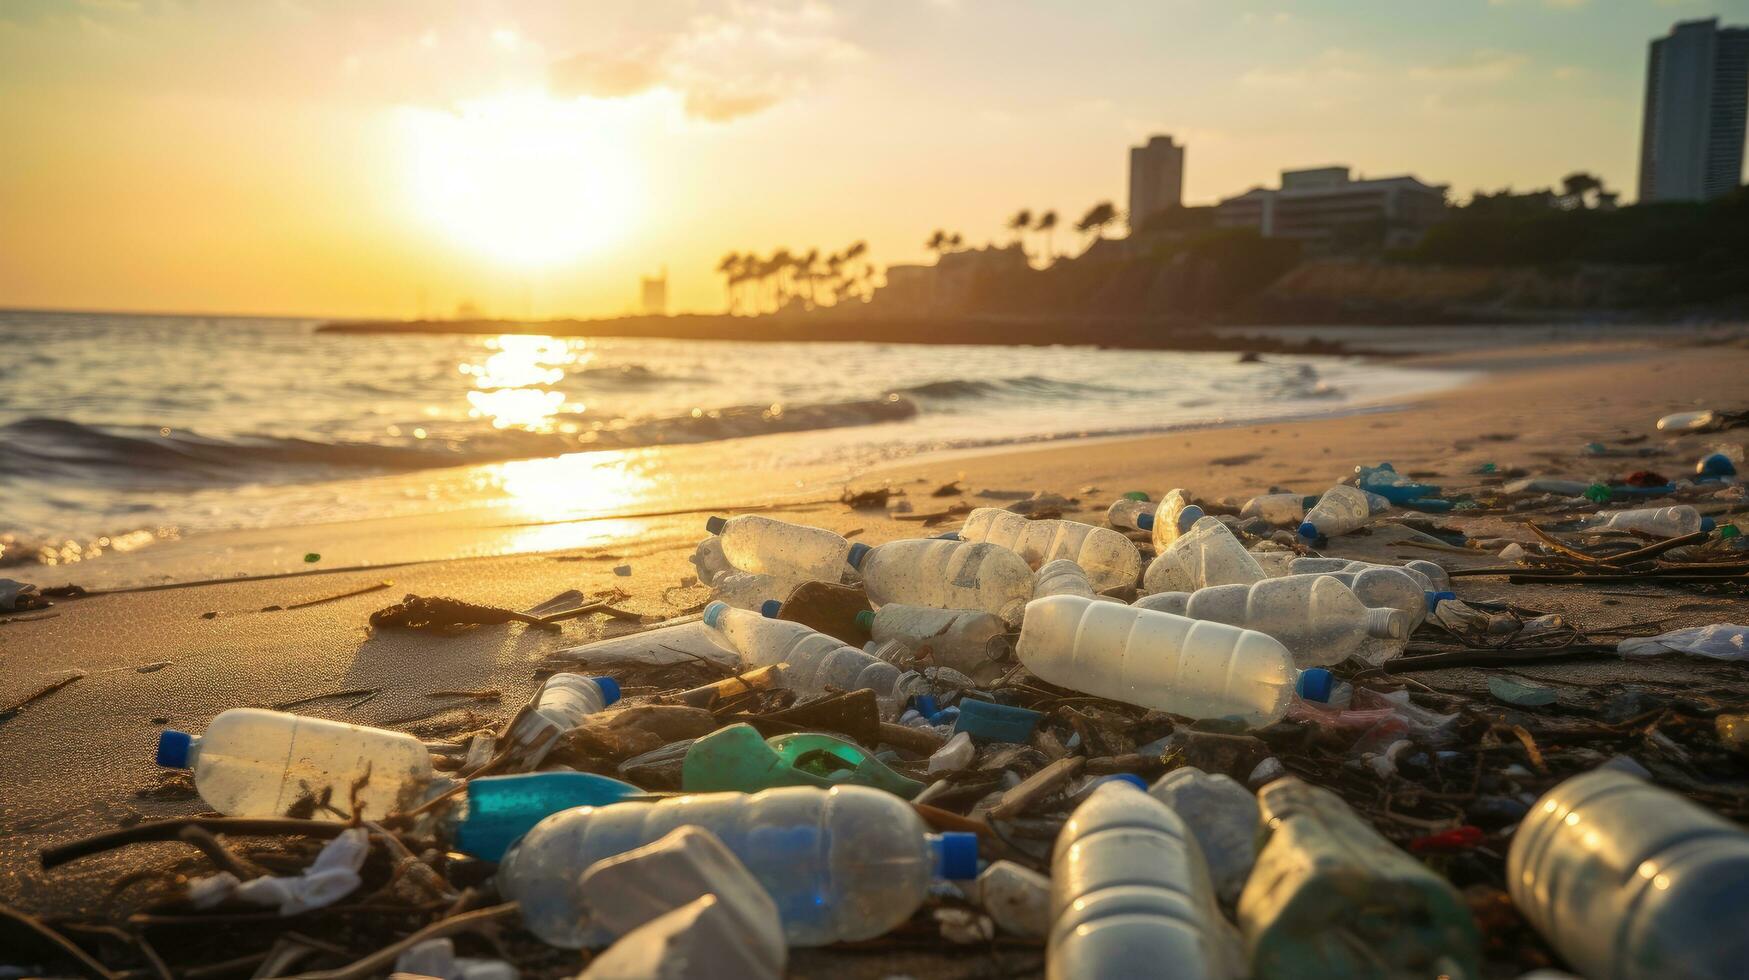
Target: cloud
{"type": "Point", "coordinates": [1486, 65]}
{"type": "Point", "coordinates": [724, 66]}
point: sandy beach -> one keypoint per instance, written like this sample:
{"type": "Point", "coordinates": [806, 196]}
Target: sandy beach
{"type": "Point", "coordinates": [80, 760]}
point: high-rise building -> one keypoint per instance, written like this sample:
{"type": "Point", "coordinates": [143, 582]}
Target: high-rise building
{"type": "Point", "coordinates": [1697, 90]}
{"type": "Point", "coordinates": [653, 294]}
{"type": "Point", "coordinates": [1156, 179]}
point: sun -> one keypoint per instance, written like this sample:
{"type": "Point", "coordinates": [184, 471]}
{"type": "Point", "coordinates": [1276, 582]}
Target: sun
{"type": "Point", "coordinates": [526, 180]}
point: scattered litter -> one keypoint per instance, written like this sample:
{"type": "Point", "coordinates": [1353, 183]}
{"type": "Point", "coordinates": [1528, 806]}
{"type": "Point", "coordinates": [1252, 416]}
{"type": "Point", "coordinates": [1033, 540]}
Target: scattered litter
{"type": "Point", "coordinates": [1514, 691]}
{"type": "Point", "coordinates": [622, 570]}
{"type": "Point", "coordinates": [1720, 641]}
{"type": "Point", "coordinates": [445, 616]}
{"type": "Point", "coordinates": [330, 878]}
{"type": "Point", "coordinates": [312, 558]}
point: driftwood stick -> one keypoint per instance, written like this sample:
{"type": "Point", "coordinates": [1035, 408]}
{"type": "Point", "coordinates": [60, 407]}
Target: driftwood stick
{"type": "Point", "coordinates": [166, 830]}
{"type": "Point", "coordinates": [65, 945]}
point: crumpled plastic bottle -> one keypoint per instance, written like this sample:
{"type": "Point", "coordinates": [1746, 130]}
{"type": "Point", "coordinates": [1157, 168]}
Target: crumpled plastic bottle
{"type": "Point", "coordinates": [1207, 555]}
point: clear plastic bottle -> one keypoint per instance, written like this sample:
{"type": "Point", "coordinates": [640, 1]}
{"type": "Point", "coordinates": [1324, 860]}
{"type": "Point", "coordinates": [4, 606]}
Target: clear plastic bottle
{"type": "Point", "coordinates": [816, 661]}
{"type": "Point", "coordinates": [561, 705]}
{"type": "Point", "coordinates": [967, 640]}
{"type": "Point", "coordinates": [1134, 511]}
{"type": "Point", "coordinates": [1061, 577]}
{"type": "Point", "coordinates": [1109, 559]}
{"type": "Point", "coordinates": [1207, 555]}
{"type": "Point", "coordinates": [1331, 898]}
{"type": "Point", "coordinates": [1687, 421]}
{"type": "Point", "coordinates": [252, 762]}
{"type": "Point", "coordinates": [796, 551]}
{"type": "Point", "coordinates": [1432, 576]}
{"type": "Point", "coordinates": [1340, 510]}
{"type": "Point", "coordinates": [1130, 894]}
{"type": "Point", "coordinates": [1316, 617]}
{"type": "Point", "coordinates": [1175, 516]}
{"type": "Point", "coordinates": [749, 590]}
{"type": "Point", "coordinates": [1666, 522]}
{"type": "Point", "coordinates": [1283, 509]}
{"type": "Point", "coordinates": [842, 864]}
{"type": "Point", "coordinates": [945, 574]}
{"type": "Point", "coordinates": [1632, 882]}
{"type": "Point", "coordinates": [1185, 666]}
{"type": "Point", "coordinates": [709, 559]}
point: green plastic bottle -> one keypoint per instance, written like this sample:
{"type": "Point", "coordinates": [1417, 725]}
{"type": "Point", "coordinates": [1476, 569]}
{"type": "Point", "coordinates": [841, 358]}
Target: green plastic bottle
{"type": "Point", "coordinates": [1329, 897]}
{"type": "Point", "coordinates": [736, 758]}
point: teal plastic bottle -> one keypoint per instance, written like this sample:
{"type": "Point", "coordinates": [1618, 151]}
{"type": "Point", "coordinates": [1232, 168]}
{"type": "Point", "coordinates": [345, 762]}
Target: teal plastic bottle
{"type": "Point", "coordinates": [500, 809]}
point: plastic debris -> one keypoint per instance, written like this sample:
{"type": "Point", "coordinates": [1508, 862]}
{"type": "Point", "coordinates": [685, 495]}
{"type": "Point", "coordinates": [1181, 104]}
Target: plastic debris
{"type": "Point", "coordinates": [1514, 691]}
{"type": "Point", "coordinates": [1312, 906]}
{"type": "Point", "coordinates": [700, 940]}
{"type": "Point", "coordinates": [991, 722]}
{"type": "Point", "coordinates": [1017, 898]}
{"type": "Point", "coordinates": [1720, 641]}
{"type": "Point", "coordinates": [737, 758]}
{"type": "Point", "coordinates": [1223, 816]}
{"type": "Point", "coordinates": [328, 879]}
{"type": "Point", "coordinates": [957, 754]}
{"type": "Point", "coordinates": [436, 958]}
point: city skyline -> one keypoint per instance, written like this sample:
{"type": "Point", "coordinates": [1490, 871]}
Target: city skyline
{"type": "Point", "coordinates": [178, 157]}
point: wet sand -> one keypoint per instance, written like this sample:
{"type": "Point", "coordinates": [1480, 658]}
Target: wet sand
{"type": "Point", "coordinates": [80, 760]}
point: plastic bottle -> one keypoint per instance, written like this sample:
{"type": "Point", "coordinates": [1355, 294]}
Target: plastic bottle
{"type": "Point", "coordinates": [1110, 559]}
{"type": "Point", "coordinates": [1316, 617]}
{"type": "Point", "coordinates": [1630, 881]}
{"type": "Point", "coordinates": [1394, 588]}
{"type": "Point", "coordinates": [1175, 516]}
{"type": "Point", "coordinates": [1156, 660]}
{"type": "Point", "coordinates": [709, 560]}
{"type": "Point", "coordinates": [499, 809]}
{"type": "Point", "coordinates": [252, 762]}
{"type": "Point", "coordinates": [1340, 510]}
{"type": "Point", "coordinates": [737, 758]}
{"type": "Point", "coordinates": [1329, 897]}
{"type": "Point", "coordinates": [1207, 555]}
{"type": "Point", "coordinates": [749, 590]}
{"type": "Point", "coordinates": [966, 640]}
{"type": "Point", "coordinates": [945, 574]}
{"type": "Point", "coordinates": [1130, 894]}
{"type": "Point", "coordinates": [1061, 577]}
{"type": "Point", "coordinates": [816, 661]}
{"type": "Point", "coordinates": [561, 705]}
{"type": "Point", "coordinates": [842, 864]}
{"type": "Point", "coordinates": [1223, 816]}
{"type": "Point", "coordinates": [1384, 481]}
{"type": "Point", "coordinates": [1687, 421]}
{"type": "Point", "coordinates": [1432, 575]}
{"type": "Point", "coordinates": [797, 551]}
{"type": "Point", "coordinates": [1666, 522]}
{"type": "Point", "coordinates": [1283, 509]}
{"type": "Point", "coordinates": [1131, 512]}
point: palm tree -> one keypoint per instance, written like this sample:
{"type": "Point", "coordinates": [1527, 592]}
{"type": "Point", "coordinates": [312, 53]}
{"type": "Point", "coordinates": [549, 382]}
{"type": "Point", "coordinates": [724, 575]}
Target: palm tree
{"type": "Point", "coordinates": [1047, 223]}
{"type": "Point", "coordinates": [1096, 219]}
{"type": "Point", "coordinates": [955, 242]}
{"type": "Point", "coordinates": [936, 242]}
{"type": "Point", "coordinates": [729, 268]}
{"type": "Point", "coordinates": [1019, 223]}
{"type": "Point", "coordinates": [1576, 185]}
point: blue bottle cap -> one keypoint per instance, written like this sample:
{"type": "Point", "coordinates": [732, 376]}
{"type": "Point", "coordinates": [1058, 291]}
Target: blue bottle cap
{"type": "Point", "coordinates": [956, 855]}
{"type": "Point", "coordinates": [1127, 778]}
{"type": "Point", "coordinates": [713, 613]}
{"type": "Point", "coordinates": [1707, 524]}
{"type": "Point", "coordinates": [858, 552]}
{"type": "Point", "coordinates": [1188, 517]}
{"type": "Point", "coordinates": [1308, 530]}
{"type": "Point", "coordinates": [925, 704]}
{"type": "Point", "coordinates": [770, 608]}
{"type": "Point", "coordinates": [609, 689]}
{"type": "Point", "coordinates": [1145, 521]}
{"type": "Point", "coordinates": [1315, 684]}
{"type": "Point", "coordinates": [173, 748]}
{"type": "Point", "coordinates": [1435, 598]}
{"type": "Point", "coordinates": [714, 524]}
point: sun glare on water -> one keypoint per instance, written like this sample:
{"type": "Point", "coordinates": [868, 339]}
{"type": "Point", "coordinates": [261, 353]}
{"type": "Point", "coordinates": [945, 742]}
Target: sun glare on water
{"type": "Point", "coordinates": [526, 180]}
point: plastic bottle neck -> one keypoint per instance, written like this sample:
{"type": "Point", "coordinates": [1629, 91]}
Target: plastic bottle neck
{"type": "Point", "coordinates": [1385, 624]}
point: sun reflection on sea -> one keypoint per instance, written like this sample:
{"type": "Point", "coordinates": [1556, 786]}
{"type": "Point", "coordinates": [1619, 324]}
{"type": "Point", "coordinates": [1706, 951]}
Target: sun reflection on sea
{"type": "Point", "coordinates": [513, 384]}
{"type": "Point", "coordinates": [571, 489]}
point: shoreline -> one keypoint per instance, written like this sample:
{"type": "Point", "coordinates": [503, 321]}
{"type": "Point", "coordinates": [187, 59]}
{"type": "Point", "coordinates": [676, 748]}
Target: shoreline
{"type": "Point", "coordinates": [82, 756]}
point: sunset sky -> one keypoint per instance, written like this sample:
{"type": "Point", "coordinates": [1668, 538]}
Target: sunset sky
{"type": "Point", "coordinates": [357, 158]}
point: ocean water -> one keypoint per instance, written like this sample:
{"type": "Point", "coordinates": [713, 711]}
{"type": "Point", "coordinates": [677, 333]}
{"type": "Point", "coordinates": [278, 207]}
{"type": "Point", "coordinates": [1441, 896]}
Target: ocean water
{"type": "Point", "coordinates": [116, 430]}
